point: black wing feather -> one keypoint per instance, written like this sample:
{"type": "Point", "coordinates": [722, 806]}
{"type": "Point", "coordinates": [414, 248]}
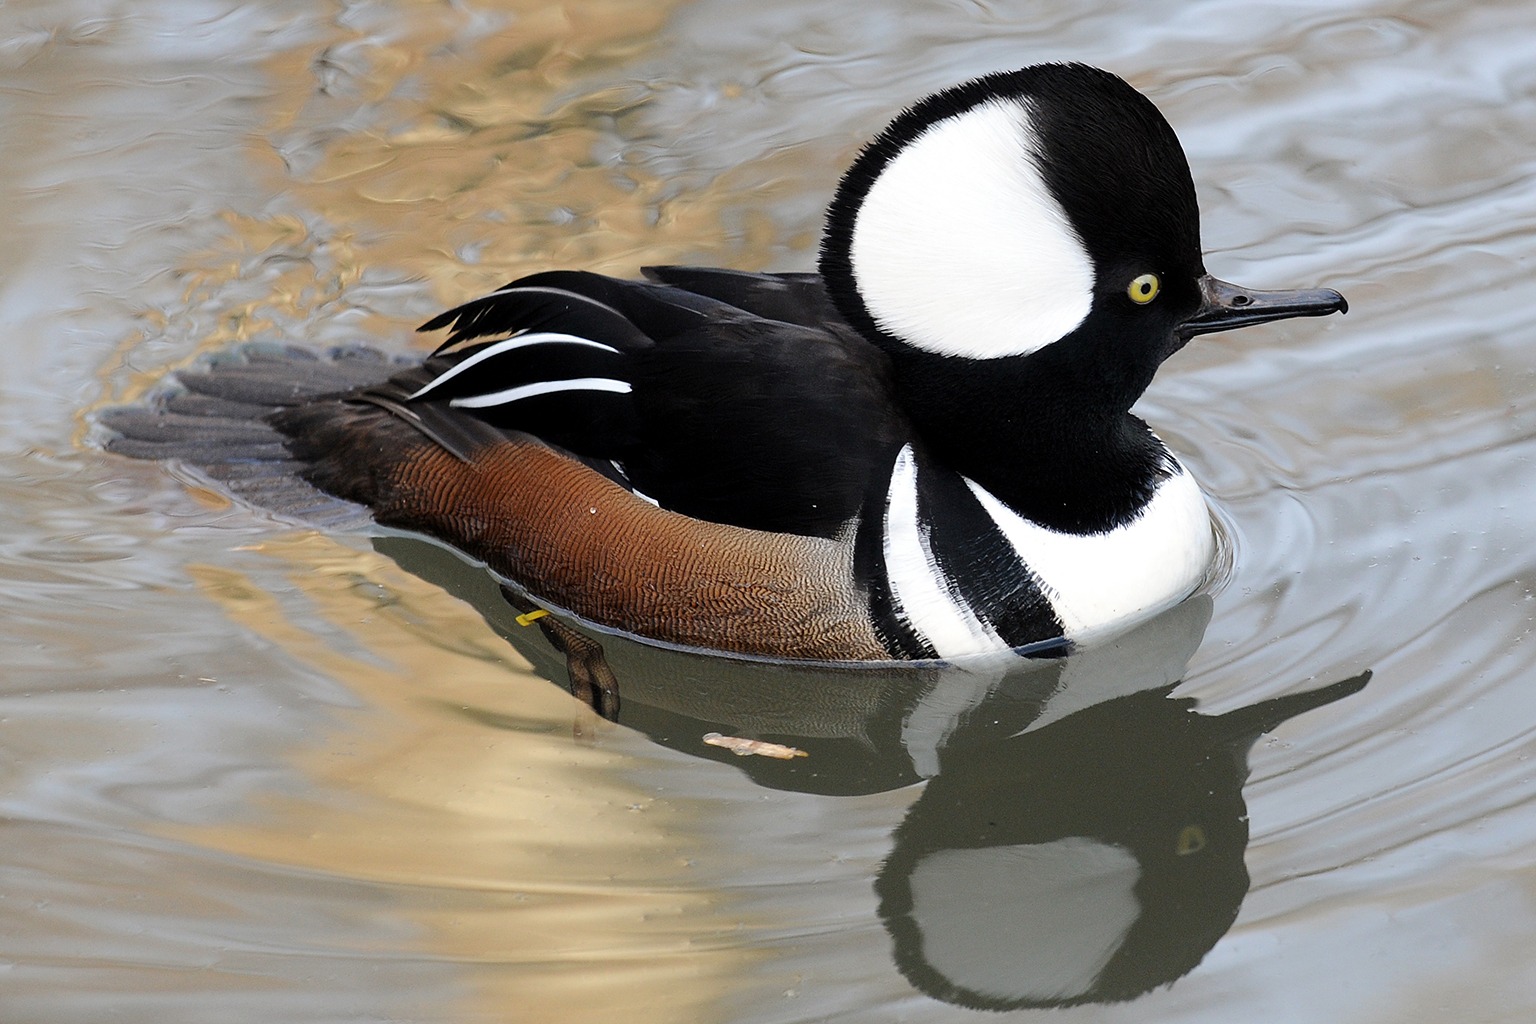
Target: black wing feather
{"type": "Point", "coordinates": [766, 425]}
{"type": "Point", "coordinates": [791, 298]}
{"type": "Point", "coordinates": [561, 368]}
{"type": "Point", "coordinates": [732, 397]}
{"type": "Point", "coordinates": [628, 315]}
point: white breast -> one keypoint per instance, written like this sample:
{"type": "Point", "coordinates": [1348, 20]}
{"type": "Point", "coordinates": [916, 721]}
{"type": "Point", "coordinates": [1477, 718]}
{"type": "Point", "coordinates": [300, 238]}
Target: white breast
{"type": "Point", "coordinates": [1104, 582]}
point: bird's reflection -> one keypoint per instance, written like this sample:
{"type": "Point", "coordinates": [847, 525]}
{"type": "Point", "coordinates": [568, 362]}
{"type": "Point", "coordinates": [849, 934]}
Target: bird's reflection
{"type": "Point", "coordinates": [1081, 834]}
{"type": "Point", "coordinates": [1089, 860]}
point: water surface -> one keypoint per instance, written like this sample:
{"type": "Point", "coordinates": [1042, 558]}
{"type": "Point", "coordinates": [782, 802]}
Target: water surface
{"type": "Point", "coordinates": [257, 772]}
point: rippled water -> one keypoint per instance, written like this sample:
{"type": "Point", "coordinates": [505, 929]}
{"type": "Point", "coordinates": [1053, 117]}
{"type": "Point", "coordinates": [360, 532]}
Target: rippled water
{"type": "Point", "coordinates": [255, 772]}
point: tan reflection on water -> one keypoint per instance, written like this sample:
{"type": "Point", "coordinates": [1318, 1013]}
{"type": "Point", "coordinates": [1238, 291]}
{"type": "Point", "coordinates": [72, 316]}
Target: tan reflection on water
{"type": "Point", "coordinates": [461, 151]}
{"type": "Point", "coordinates": [459, 787]}
{"type": "Point", "coordinates": [411, 153]}
{"type": "Point", "coordinates": [438, 149]}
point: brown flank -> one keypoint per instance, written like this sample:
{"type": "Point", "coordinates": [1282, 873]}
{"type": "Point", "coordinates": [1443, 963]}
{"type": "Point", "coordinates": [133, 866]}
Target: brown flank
{"type": "Point", "coordinates": [581, 542]}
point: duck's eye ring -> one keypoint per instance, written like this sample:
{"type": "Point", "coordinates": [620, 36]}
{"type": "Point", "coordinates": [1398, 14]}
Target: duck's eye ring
{"type": "Point", "coordinates": [1144, 289]}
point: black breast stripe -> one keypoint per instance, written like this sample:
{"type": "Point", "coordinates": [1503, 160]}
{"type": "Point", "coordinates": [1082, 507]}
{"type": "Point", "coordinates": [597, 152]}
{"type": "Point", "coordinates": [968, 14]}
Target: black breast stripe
{"type": "Point", "coordinates": [979, 562]}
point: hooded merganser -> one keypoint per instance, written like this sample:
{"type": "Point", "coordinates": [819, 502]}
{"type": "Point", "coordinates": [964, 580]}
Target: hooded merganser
{"type": "Point", "coordinates": [925, 450]}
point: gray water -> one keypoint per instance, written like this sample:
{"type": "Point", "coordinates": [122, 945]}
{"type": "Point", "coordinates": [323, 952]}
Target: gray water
{"type": "Point", "coordinates": [255, 772]}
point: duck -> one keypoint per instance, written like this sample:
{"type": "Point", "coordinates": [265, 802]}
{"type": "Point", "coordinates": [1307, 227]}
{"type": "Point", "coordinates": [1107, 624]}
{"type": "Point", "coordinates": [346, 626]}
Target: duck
{"type": "Point", "coordinates": [923, 450]}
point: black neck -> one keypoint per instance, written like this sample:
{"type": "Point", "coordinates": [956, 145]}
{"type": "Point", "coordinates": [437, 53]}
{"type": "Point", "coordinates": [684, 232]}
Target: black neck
{"type": "Point", "coordinates": [1032, 436]}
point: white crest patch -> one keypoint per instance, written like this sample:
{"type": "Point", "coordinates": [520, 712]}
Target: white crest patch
{"type": "Point", "coordinates": [922, 594]}
{"type": "Point", "coordinates": [1100, 583]}
{"type": "Point", "coordinates": [960, 249]}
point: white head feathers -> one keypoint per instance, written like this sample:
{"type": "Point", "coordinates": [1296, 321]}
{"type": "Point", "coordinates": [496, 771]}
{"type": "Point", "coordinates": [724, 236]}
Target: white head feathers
{"type": "Point", "coordinates": [959, 248]}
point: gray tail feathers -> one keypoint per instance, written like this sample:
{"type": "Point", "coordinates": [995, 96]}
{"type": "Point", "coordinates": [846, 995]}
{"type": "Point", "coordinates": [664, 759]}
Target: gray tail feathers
{"type": "Point", "coordinates": [214, 417]}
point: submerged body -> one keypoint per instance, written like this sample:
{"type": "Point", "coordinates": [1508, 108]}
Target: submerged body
{"type": "Point", "coordinates": [925, 450]}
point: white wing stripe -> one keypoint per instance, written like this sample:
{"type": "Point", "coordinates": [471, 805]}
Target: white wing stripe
{"type": "Point", "coordinates": [619, 387]}
{"type": "Point", "coordinates": [512, 345]}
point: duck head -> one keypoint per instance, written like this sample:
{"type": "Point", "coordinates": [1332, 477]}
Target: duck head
{"type": "Point", "coordinates": [1042, 222]}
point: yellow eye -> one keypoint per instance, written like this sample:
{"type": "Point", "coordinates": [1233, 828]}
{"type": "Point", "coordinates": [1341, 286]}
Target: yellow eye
{"type": "Point", "coordinates": [1144, 289]}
